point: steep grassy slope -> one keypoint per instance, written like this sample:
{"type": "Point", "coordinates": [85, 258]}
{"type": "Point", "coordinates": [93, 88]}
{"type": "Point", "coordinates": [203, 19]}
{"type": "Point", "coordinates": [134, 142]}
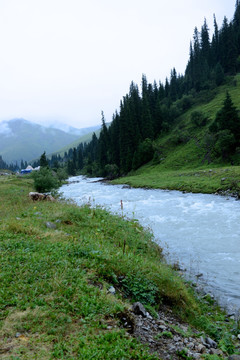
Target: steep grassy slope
{"type": "Point", "coordinates": [185, 160]}
{"type": "Point", "coordinates": [188, 145]}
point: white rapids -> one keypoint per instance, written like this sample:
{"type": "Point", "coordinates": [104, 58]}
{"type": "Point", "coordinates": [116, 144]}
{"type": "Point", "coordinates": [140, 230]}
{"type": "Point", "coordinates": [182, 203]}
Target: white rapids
{"type": "Point", "coordinates": [200, 232]}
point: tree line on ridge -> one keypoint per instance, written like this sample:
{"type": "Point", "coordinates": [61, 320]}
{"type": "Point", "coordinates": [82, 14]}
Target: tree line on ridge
{"type": "Point", "coordinates": [146, 113]}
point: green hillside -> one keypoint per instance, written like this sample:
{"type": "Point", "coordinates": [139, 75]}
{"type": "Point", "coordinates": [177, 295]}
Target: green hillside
{"type": "Point", "coordinates": [188, 145]}
{"type": "Point", "coordinates": [184, 158]}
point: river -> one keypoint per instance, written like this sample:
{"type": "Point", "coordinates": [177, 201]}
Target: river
{"type": "Point", "coordinates": [199, 232]}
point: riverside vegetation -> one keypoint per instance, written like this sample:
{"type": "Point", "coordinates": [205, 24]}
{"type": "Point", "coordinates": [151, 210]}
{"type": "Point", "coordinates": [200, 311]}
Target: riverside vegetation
{"type": "Point", "coordinates": [206, 180]}
{"type": "Point", "coordinates": [56, 296]}
{"type": "Point", "coordinates": [186, 159]}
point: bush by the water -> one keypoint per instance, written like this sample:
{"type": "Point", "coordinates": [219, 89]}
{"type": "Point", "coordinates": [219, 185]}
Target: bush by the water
{"type": "Point", "coordinates": [44, 180]}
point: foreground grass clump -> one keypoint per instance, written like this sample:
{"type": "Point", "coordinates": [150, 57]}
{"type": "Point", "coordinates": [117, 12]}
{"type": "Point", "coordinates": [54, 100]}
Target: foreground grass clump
{"type": "Point", "coordinates": [54, 298]}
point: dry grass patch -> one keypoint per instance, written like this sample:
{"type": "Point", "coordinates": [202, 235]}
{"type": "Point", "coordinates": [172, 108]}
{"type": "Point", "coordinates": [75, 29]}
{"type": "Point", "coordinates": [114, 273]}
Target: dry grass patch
{"type": "Point", "coordinates": [18, 343]}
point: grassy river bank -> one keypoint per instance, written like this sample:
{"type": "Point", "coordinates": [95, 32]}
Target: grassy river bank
{"type": "Point", "coordinates": [206, 180]}
{"type": "Point", "coordinates": [69, 276]}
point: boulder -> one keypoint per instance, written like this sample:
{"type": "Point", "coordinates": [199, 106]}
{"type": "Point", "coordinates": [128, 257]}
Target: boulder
{"type": "Point", "coordinates": [50, 225]}
{"type": "Point", "coordinates": [112, 290]}
{"type": "Point", "coordinates": [234, 357]}
{"type": "Point", "coordinates": [49, 198]}
{"type": "Point", "coordinates": [139, 309]}
{"type": "Point", "coordinates": [211, 342]}
{"type": "Point", "coordinates": [36, 196]}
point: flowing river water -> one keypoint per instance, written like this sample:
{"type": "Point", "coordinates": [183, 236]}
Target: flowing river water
{"type": "Point", "coordinates": [199, 232]}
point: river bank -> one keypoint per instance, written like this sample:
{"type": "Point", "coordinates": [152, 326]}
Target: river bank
{"type": "Point", "coordinates": [209, 180]}
{"type": "Point", "coordinates": [79, 270]}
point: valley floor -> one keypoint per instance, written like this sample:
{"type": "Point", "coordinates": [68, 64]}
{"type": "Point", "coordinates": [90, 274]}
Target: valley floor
{"type": "Point", "coordinates": [70, 275]}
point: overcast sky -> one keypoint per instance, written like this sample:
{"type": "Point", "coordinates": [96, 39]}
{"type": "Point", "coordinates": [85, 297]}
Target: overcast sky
{"type": "Point", "coordinates": [66, 60]}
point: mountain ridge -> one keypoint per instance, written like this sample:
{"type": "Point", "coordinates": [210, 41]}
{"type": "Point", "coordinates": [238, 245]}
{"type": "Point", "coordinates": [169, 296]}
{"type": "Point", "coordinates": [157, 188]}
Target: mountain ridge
{"type": "Point", "coordinates": [22, 139]}
{"type": "Point", "coordinates": [25, 140]}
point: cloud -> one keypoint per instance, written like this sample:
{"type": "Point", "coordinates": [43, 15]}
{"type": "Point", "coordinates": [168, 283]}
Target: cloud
{"type": "Point", "coordinates": [5, 129]}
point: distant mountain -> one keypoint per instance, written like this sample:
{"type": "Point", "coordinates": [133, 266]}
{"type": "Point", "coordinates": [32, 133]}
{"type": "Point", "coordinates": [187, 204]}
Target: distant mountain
{"type": "Point", "coordinates": [23, 140]}
{"type": "Point", "coordinates": [82, 139]}
{"type": "Point", "coordinates": [85, 138]}
{"type": "Point", "coordinates": [74, 131]}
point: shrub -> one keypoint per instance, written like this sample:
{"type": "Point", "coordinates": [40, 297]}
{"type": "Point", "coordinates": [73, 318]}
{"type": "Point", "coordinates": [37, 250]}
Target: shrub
{"type": "Point", "coordinates": [225, 144]}
{"type": "Point", "coordinates": [198, 118]}
{"type": "Point", "coordinates": [44, 180]}
{"type": "Point", "coordinates": [111, 171]}
{"type": "Point", "coordinates": [180, 137]}
{"type": "Point", "coordinates": [187, 102]}
{"type": "Point", "coordinates": [62, 174]}
{"type": "Point", "coordinates": [140, 289]}
{"type": "Point", "coordinates": [143, 154]}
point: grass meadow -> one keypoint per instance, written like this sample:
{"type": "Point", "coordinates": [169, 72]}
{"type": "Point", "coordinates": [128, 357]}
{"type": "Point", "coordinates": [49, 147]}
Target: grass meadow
{"type": "Point", "coordinates": [54, 282]}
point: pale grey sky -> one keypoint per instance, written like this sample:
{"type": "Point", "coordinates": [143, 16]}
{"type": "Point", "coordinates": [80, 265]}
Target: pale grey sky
{"type": "Point", "coordinates": [66, 60]}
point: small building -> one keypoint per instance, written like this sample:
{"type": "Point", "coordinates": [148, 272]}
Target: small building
{"type": "Point", "coordinates": [26, 171]}
{"type": "Point", "coordinates": [29, 169]}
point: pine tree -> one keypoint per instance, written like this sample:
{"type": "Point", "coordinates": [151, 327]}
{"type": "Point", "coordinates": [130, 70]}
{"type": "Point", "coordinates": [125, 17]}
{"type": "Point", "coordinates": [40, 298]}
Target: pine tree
{"type": "Point", "coordinates": [205, 43]}
{"type": "Point", "coordinates": [43, 160]}
{"type": "Point", "coordinates": [146, 120]}
{"type": "Point", "coordinates": [125, 139]}
{"type": "Point", "coordinates": [228, 119]}
{"type": "Point", "coordinates": [22, 165]}
{"type": "Point", "coordinates": [197, 61]}
{"type": "Point", "coordinates": [173, 85]}
{"type": "Point", "coordinates": [236, 25]}
{"type": "Point", "coordinates": [4, 165]}
{"type": "Point", "coordinates": [219, 74]}
{"type": "Point", "coordinates": [189, 72]}
{"type": "Point", "coordinates": [134, 103]}
{"type": "Point", "coordinates": [80, 156]}
{"type": "Point", "coordinates": [74, 159]}
{"type": "Point", "coordinates": [166, 88]}
{"type": "Point", "coordinates": [227, 49]}
{"type": "Point", "coordinates": [158, 118]}
{"type": "Point", "coordinates": [161, 92]}
{"type": "Point", "coordinates": [103, 145]}
{"type": "Point", "coordinates": [70, 168]}
{"type": "Point", "coordinates": [114, 130]}
{"type": "Point", "coordinates": [144, 85]}
{"type": "Point", "coordinates": [95, 146]}
{"type": "Point", "coordinates": [214, 57]}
